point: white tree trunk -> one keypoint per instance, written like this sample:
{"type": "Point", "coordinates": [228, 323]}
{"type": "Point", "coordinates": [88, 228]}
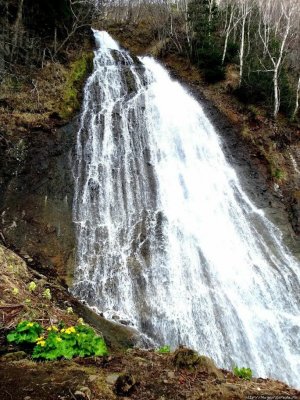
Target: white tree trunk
{"type": "Point", "coordinates": [276, 93]}
{"type": "Point", "coordinates": [242, 47]}
{"type": "Point", "coordinates": [17, 27]}
{"type": "Point", "coordinates": [228, 30]}
{"type": "Point", "coordinates": [297, 99]}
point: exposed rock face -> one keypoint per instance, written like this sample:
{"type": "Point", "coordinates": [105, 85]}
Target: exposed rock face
{"type": "Point", "coordinates": [36, 187]}
{"type": "Point", "coordinates": [295, 211]}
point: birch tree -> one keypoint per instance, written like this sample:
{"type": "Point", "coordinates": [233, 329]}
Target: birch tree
{"type": "Point", "coordinates": [245, 10]}
{"type": "Point", "coordinates": [296, 109]}
{"type": "Point", "coordinates": [231, 20]}
{"type": "Point", "coordinates": [280, 15]}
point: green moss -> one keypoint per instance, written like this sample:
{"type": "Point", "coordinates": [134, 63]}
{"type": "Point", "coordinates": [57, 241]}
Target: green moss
{"type": "Point", "coordinates": [79, 70]}
{"type": "Point", "coordinates": [278, 174]}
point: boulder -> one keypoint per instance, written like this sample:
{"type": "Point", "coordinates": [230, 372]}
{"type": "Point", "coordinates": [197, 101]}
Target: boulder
{"type": "Point", "coordinates": [188, 358]}
{"type": "Point", "coordinates": [124, 384]}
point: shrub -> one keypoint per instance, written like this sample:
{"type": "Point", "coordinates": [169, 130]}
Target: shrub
{"type": "Point", "coordinates": [25, 332]}
{"type": "Point", "coordinates": [69, 342]}
{"type": "Point", "coordinates": [54, 343]}
{"type": "Point", "coordinates": [244, 373]}
{"type": "Point", "coordinates": [214, 75]}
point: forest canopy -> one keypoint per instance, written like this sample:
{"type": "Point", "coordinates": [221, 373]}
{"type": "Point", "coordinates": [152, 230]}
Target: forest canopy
{"type": "Point", "coordinates": [261, 37]}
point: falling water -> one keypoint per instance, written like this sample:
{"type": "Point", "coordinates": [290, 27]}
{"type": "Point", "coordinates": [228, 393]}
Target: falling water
{"type": "Point", "coordinates": [167, 239]}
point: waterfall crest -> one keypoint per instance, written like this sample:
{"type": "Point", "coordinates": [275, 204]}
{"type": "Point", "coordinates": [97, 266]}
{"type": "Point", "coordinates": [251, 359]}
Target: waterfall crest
{"type": "Point", "coordinates": [167, 239]}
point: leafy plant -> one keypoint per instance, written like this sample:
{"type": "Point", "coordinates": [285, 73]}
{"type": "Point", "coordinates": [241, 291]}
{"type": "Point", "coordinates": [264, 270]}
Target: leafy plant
{"type": "Point", "coordinates": [79, 340]}
{"type": "Point", "coordinates": [57, 342]}
{"type": "Point", "coordinates": [15, 291]}
{"type": "Point", "coordinates": [32, 286]}
{"type": "Point", "coordinates": [164, 350]}
{"type": "Point", "coordinates": [244, 373]}
{"type": "Point", "coordinates": [25, 332]}
{"type": "Point", "coordinates": [47, 294]}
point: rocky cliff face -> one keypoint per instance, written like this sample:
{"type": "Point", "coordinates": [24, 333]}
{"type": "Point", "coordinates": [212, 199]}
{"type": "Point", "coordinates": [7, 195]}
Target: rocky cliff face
{"type": "Point", "coordinates": [36, 197]}
{"type": "Point", "coordinates": [38, 130]}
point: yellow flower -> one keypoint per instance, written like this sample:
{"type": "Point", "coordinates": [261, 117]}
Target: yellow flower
{"type": "Point", "coordinates": [40, 338]}
{"type": "Point", "coordinates": [42, 343]}
{"type": "Point", "coordinates": [52, 328]}
{"type": "Point", "coordinates": [59, 339]}
{"type": "Point", "coordinates": [62, 330]}
{"type": "Point", "coordinates": [29, 325]}
{"type": "Point", "coordinates": [70, 330]}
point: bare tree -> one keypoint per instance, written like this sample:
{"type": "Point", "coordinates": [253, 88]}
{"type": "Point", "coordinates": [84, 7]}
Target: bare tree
{"type": "Point", "coordinates": [245, 10]}
{"type": "Point", "coordinates": [231, 21]}
{"type": "Point", "coordinates": [280, 17]}
{"type": "Point", "coordinates": [296, 109]}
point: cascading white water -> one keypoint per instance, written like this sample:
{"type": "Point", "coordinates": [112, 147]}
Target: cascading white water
{"type": "Point", "coordinates": [167, 239]}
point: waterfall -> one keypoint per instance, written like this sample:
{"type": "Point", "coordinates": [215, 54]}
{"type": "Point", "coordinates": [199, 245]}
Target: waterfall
{"type": "Point", "coordinates": [168, 241]}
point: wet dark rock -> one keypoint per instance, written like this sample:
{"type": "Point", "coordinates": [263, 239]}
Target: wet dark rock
{"type": "Point", "coordinates": [124, 384]}
{"type": "Point", "coordinates": [116, 336]}
{"type": "Point", "coordinates": [124, 322]}
{"type": "Point", "coordinates": [36, 192]}
{"type": "Point", "coordinates": [130, 81]}
{"type": "Point", "coordinates": [295, 211]}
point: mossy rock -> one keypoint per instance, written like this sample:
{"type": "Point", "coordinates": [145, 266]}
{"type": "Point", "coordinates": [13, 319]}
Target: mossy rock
{"type": "Point", "coordinates": [72, 96]}
{"type": "Point", "coordinates": [15, 356]}
{"type": "Point", "coordinates": [188, 358]}
{"type": "Point", "coordinates": [185, 358]}
{"type": "Point", "coordinates": [115, 335]}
